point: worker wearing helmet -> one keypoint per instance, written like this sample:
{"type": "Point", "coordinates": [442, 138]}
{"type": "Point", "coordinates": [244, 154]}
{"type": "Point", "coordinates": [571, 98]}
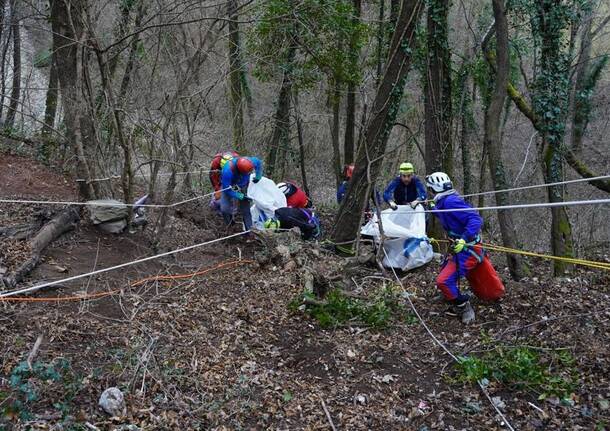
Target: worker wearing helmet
{"type": "Point", "coordinates": [218, 162]}
{"type": "Point", "coordinates": [463, 228]}
{"type": "Point", "coordinates": [235, 178]}
{"type": "Point", "coordinates": [405, 189]}
{"type": "Point", "coordinates": [348, 171]}
{"type": "Point", "coordinates": [295, 197]}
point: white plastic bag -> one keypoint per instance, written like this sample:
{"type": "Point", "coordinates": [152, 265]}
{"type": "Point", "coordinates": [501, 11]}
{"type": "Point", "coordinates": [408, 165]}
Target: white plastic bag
{"type": "Point", "coordinates": [408, 246]}
{"type": "Point", "coordinates": [266, 198]}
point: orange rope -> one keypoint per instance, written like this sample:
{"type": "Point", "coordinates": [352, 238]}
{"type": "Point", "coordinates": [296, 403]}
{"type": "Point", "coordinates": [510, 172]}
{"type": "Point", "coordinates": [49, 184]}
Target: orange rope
{"type": "Point", "coordinates": [134, 284]}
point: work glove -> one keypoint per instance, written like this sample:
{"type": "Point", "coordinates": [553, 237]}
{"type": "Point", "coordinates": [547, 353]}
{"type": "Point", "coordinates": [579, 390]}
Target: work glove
{"type": "Point", "coordinates": [217, 195]}
{"type": "Point", "coordinates": [393, 205]}
{"type": "Point", "coordinates": [458, 245]}
{"type": "Point", "coordinates": [256, 180]}
{"type": "Point", "coordinates": [415, 203]}
{"type": "Point", "coordinates": [240, 196]}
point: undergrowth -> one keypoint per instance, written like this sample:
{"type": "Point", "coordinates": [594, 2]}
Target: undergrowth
{"type": "Point", "coordinates": [337, 309]}
{"type": "Point", "coordinates": [32, 384]}
{"type": "Point", "coordinates": [546, 373]}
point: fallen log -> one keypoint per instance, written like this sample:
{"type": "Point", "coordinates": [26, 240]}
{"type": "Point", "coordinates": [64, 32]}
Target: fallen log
{"type": "Point", "coordinates": [60, 224]}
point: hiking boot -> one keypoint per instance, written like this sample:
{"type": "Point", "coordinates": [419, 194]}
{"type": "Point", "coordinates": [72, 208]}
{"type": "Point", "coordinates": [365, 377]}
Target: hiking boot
{"type": "Point", "coordinates": [464, 310]}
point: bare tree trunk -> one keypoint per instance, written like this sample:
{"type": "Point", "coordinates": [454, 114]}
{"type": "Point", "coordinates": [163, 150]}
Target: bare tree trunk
{"type": "Point", "coordinates": [276, 152]}
{"type": "Point", "coordinates": [68, 36]}
{"type": "Point", "coordinates": [131, 58]}
{"type": "Point", "coordinates": [6, 40]}
{"type": "Point", "coordinates": [466, 133]}
{"type": "Point", "coordinates": [236, 97]}
{"type": "Point", "coordinates": [385, 108]}
{"type": "Point", "coordinates": [438, 114]}
{"type": "Point", "coordinates": [350, 108]}
{"type": "Point", "coordinates": [492, 139]}
{"type": "Point", "coordinates": [16, 90]}
{"type": "Point", "coordinates": [297, 115]}
{"type": "Point", "coordinates": [381, 40]}
{"type": "Point", "coordinates": [335, 125]}
{"type": "Point", "coordinates": [51, 102]}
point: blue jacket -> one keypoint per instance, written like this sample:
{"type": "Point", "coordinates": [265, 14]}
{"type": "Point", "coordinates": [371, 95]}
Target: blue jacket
{"type": "Point", "coordinates": [231, 177]}
{"type": "Point", "coordinates": [396, 191]}
{"type": "Point", "coordinates": [341, 191]}
{"type": "Point", "coordinates": [458, 224]}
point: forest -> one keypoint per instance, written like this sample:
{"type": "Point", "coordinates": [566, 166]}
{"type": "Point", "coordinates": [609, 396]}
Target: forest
{"type": "Point", "coordinates": [156, 272]}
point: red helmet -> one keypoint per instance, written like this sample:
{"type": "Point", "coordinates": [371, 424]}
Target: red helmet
{"type": "Point", "coordinates": [348, 171]}
{"type": "Point", "coordinates": [244, 165]}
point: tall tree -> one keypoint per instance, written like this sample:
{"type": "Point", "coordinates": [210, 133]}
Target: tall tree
{"type": "Point", "coordinates": [68, 25]}
{"type": "Point", "coordinates": [236, 72]}
{"type": "Point", "coordinates": [16, 86]}
{"type": "Point", "coordinates": [379, 125]}
{"type": "Point", "coordinates": [492, 139]}
{"type": "Point", "coordinates": [437, 91]}
{"type": "Point", "coordinates": [350, 107]}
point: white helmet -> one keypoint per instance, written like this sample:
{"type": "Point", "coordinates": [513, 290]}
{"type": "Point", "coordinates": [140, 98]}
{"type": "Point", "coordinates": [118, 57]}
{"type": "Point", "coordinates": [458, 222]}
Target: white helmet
{"type": "Point", "coordinates": [439, 182]}
{"type": "Point", "coordinates": [284, 188]}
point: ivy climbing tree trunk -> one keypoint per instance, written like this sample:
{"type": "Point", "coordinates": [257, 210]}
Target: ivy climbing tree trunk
{"type": "Point", "coordinates": [550, 103]}
{"type": "Point", "coordinates": [437, 91]}
{"type": "Point", "coordinates": [492, 139]}
{"type": "Point", "coordinates": [383, 116]}
{"type": "Point", "coordinates": [236, 97]}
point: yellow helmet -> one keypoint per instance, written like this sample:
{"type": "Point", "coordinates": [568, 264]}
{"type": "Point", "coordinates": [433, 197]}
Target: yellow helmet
{"type": "Point", "coordinates": [272, 224]}
{"type": "Point", "coordinates": [406, 168]}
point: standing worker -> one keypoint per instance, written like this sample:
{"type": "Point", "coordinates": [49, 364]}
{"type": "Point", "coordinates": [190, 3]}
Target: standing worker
{"type": "Point", "coordinates": [235, 179]}
{"type": "Point", "coordinates": [463, 228]}
{"type": "Point", "coordinates": [348, 171]}
{"type": "Point", "coordinates": [218, 162]}
{"type": "Point", "coordinates": [405, 189]}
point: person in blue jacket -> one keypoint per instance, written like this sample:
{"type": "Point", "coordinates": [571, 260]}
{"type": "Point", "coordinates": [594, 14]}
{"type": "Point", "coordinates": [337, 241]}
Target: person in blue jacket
{"type": "Point", "coordinates": [463, 228]}
{"type": "Point", "coordinates": [235, 177]}
{"type": "Point", "coordinates": [405, 189]}
{"type": "Point", "coordinates": [348, 171]}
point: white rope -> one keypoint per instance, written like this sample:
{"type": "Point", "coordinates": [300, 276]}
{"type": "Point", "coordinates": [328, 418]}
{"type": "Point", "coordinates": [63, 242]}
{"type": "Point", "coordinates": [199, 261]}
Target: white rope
{"type": "Point", "coordinates": [168, 174]}
{"type": "Point", "coordinates": [580, 180]}
{"type": "Point", "coordinates": [112, 268]}
{"type": "Point", "coordinates": [107, 204]}
{"type": "Point", "coordinates": [442, 346]}
{"type": "Point", "coordinates": [516, 206]}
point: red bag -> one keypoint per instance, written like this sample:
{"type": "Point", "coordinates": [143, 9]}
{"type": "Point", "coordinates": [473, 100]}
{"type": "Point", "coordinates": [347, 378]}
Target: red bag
{"type": "Point", "coordinates": [484, 281]}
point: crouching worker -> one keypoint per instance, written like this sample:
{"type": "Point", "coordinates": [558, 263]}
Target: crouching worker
{"type": "Point", "coordinates": [303, 218]}
{"type": "Point", "coordinates": [234, 180]}
{"type": "Point", "coordinates": [463, 228]}
{"type": "Point", "coordinates": [295, 197]}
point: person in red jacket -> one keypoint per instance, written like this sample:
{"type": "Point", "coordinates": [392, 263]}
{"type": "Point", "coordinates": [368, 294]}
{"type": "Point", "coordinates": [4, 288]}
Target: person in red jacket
{"type": "Point", "coordinates": [218, 162]}
{"type": "Point", "coordinates": [295, 197]}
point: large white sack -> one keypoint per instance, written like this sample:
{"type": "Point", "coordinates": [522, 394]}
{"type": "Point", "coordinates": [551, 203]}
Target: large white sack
{"type": "Point", "coordinates": [408, 246]}
{"type": "Point", "coordinates": [259, 217]}
{"type": "Point", "coordinates": [266, 196]}
{"type": "Point", "coordinates": [407, 254]}
{"type": "Point", "coordinates": [405, 222]}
